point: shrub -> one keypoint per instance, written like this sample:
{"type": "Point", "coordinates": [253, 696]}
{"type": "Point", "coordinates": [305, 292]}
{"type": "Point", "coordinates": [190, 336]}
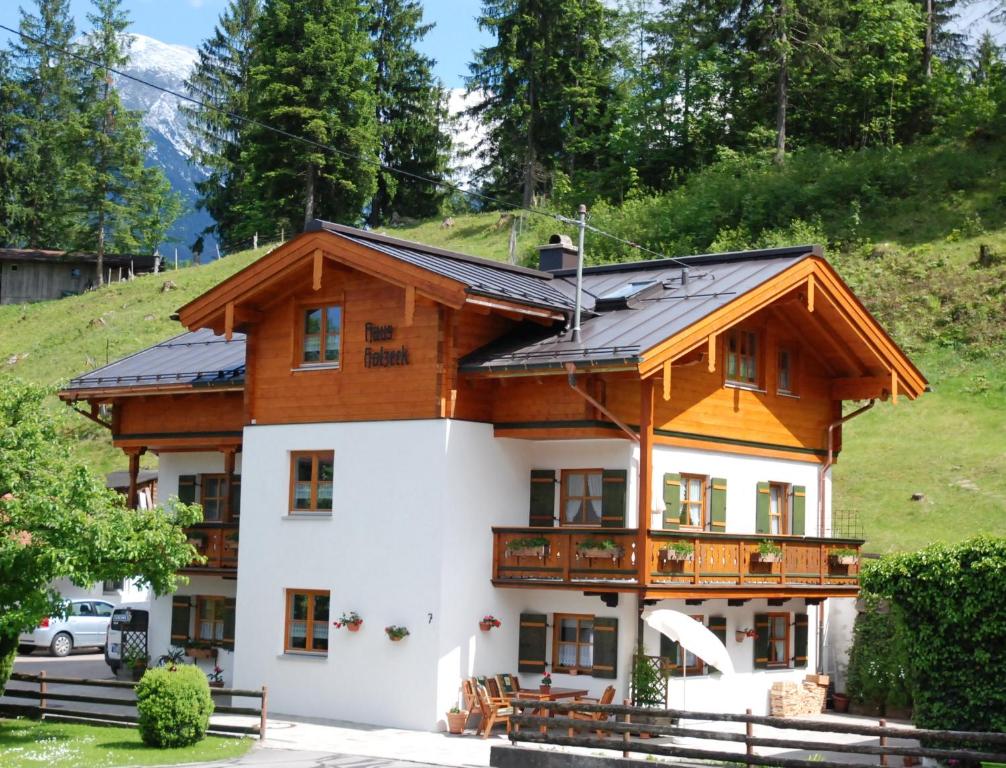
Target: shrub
{"type": "Point", "coordinates": [877, 662]}
{"type": "Point", "coordinates": [174, 705]}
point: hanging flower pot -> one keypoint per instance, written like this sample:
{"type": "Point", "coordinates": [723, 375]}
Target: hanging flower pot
{"type": "Point", "coordinates": [350, 621]}
{"type": "Point", "coordinates": [396, 633]}
{"type": "Point", "coordinates": [489, 621]}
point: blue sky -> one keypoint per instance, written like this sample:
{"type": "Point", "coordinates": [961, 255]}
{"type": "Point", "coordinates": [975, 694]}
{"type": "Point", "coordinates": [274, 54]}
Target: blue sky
{"type": "Point", "coordinates": [187, 22]}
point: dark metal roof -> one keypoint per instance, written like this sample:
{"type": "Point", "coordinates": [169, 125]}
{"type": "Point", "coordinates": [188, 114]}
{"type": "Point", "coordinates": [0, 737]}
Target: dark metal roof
{"type": "Point", "coordinates": [199, 359]}
{"type": "Point", "coordinates": [482, 276]}
{"type": "Point", "coordinates": [120, 478]}
{"type": "Point", "coordinates": [621, 336]}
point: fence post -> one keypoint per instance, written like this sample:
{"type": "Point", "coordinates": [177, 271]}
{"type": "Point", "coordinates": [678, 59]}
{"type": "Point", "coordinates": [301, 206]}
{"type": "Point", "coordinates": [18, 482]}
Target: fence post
{"type": "Point", "coordinates": [748, 735]}
{"type": "Point", "coordinates": [42, 690]}
{"type": "Point", "coordinates": [262, 714]}
{"type": "Point", "coordinates": [625, 736]}
{"type": "Point", "coordinates": [883, 743]}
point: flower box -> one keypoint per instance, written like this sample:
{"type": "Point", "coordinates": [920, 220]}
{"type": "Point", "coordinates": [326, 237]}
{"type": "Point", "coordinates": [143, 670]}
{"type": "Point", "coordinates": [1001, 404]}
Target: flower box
{"type": "Point", "coordinates": [677, 555]}
{"type": "Point", "coordinates": [613, 553]}
{"type": "Point", "coordinates": [845, 559]}
{"type": "Point", "coordinates": [201, 653]}
{"type": "Point", "coordinates": [768, 557]}
{"type": "Point", "coordinates": [526, 551]}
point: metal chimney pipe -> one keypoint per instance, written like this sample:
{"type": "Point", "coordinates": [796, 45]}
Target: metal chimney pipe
{"type": "Point", "coordinates": [579, 274]}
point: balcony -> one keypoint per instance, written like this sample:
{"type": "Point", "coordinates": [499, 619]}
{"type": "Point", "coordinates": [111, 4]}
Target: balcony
{"type": "Point", "coordinates": [218, 543]}
{"type": "Point", "coordinates": [678, 563]}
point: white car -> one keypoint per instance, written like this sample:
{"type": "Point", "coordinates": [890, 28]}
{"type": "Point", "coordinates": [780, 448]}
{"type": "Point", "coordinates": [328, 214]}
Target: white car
{"type": "Point", "coordinates": [86, 624]}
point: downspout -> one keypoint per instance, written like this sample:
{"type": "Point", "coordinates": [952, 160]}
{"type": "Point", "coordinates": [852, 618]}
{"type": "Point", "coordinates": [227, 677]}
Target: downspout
{"type": "Point", "coordinates": [829, 462]}
{"type": "Point", "coordinates": [571, 378]}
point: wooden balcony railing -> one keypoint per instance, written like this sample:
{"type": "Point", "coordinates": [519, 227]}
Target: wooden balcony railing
{"type": "Point", "coordinates": [674, 559]}
{"type": "Point", "coordinates": [218, 543]}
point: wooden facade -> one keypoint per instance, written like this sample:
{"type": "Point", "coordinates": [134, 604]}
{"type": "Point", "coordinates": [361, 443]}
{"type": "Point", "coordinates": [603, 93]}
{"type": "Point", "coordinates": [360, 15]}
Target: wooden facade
{"type": "Point", "coordinates": [35, 275]}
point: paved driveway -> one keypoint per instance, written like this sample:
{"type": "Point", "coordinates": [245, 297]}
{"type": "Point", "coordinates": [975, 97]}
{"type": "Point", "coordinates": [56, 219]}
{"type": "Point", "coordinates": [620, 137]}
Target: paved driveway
{"type": "Point", "coordinates": [289, 758]}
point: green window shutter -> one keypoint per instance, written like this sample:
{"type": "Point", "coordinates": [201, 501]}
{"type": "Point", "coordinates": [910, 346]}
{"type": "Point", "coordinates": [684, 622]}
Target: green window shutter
{"type": "Point", "coordinates": [230, 605]}
{"type": "Point", "coordinates": [718, 504]}
{"type": "Point", "coordinates": [672, 500]}
{"type": "Point", "coordinates": [181, 610]}
{"type": "Point", "coordinates": [800, 641]}
{"type": "Point", "coordinates": [542, 514]}
{"type": "Point", "coordinates": [187, 489]}
{"type": "Point", "coordinates": [670, 652]}
{"type": "Point", "coordinates": [236, 497]}
{"type": "Point", "coordinates": [718, 626]}
{"type": "Point", "coordinates": [531, 643]}
{"type": "Point", "coordinates": [613, 499]}
{"type": "Point", "coordinates": [799, 526]}
{"type": "Point", "coordinates": [761, 640]}
{"type": "Point", "coordinates": [761, 508]}
{"type": "Point", "coordinates": [605, 647]}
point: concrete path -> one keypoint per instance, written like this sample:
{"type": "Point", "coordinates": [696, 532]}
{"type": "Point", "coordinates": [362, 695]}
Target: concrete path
{"type": "Point", "coordinates": [289, 758]}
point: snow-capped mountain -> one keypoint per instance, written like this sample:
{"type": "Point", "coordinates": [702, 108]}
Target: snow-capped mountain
{"type": "Point", "coordinates": [167, 66]}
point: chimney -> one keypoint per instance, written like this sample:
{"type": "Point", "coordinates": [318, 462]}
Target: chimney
{"type": "Point", "coordinates": [560, 253]}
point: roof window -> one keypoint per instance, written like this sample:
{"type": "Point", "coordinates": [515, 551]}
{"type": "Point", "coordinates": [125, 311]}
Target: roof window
{"type": "Point", "coordinates": [628, 296]}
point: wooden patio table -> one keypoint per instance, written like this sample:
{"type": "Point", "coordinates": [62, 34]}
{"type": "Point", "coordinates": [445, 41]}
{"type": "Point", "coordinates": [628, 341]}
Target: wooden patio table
{"type": "Point", "coordinates": [555, 694]}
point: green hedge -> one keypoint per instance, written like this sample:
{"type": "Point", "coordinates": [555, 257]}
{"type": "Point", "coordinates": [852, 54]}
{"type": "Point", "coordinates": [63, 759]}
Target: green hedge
{"type": "Point", "coordinates": [951, 600]}
{"type": "Point", "coordinates": [174, 705]}
{"type": "Point", "coordinates": [878, 661]}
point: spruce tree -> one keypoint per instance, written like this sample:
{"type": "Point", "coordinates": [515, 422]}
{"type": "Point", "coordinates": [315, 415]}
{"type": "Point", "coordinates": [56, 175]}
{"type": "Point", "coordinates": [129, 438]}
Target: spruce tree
{"type": "Point", "coordinates": [124, 205]}
{"type": "Point", "coordinates": [10, 191]}
{"type": "Point", "coordinates": [220, 79]}
{"type": "Point", "coordinates": [312, 76]}
{"type": "Point", "coordinates": [411, 113]}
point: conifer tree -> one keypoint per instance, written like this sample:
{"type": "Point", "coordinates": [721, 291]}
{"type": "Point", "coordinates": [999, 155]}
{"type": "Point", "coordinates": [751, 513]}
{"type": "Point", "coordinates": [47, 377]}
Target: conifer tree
{"type": "Point", "coordinates": [220, 78]}
{"type": "Point", "coordinates": [312, 76]}
{"type": "Point", "coordinates": [123, 203]}
{"type": "Point", "coordinates": [411, 113]}
{"type": "Point", "coordinates": [10, 191]}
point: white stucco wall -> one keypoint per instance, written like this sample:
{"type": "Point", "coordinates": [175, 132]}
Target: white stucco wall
{"type": "Point", "coordinates": [131, 592]}
{"type": "Point", "coordinates": [840, 620]}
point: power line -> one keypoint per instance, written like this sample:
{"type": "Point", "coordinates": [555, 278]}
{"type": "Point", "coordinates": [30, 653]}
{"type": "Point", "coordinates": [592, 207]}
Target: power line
{"type": "Point", "coordinates": [329, 148]}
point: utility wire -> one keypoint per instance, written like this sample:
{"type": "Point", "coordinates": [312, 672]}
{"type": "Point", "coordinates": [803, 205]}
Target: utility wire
{"type": "Point", "coordinates": [329, 148]}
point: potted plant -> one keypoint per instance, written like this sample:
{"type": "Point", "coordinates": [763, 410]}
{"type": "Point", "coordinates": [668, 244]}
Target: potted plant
{"type": "Point", "coordinates": [198, 649]}
{"type": "Point", "coordinates": [840, 701]}
{"type": "Point", "coordinates": [456, 719]}
{"type": "Point", "coordinates": [844, 556]}
{"type": "Point", "coordinates": [396, 633]}
{"type": "Point", "coordinates": [678, 551]}
{"type": "Point", "coordinates": [598, 548]}
{"type": "Point", "coordinates": [531, 546]}
{"type": "Point", "coordinates": [216, 677]}
{"type": "Point", "coordinates": [350, 621]}
{"type": "Point", "coordinates": [136, 663]}
{"type": "Point", "coordinates": [768, 552]}
{"type": "Point", "coordinates": [648, 690]}
{"type": "Point", "coordinates": [489, 621]}
{"type": "Point", "coordinates": [546, 683]}
{"type": "Point", "coordinates": [740, 634]}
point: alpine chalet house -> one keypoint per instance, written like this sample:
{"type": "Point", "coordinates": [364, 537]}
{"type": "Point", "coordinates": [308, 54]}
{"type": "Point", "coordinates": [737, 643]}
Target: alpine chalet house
{"type": "Point", "coordinates": [418, 436]}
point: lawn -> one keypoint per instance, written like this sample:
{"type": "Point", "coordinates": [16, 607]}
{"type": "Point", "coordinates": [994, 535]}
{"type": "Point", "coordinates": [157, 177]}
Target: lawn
{"type": "Point", "coordinates": [30, 743]}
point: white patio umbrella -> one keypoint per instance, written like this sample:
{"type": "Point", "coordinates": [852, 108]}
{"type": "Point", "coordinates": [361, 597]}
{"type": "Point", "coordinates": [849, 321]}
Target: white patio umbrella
{"type": "Point", "coordinates": [694, 637]}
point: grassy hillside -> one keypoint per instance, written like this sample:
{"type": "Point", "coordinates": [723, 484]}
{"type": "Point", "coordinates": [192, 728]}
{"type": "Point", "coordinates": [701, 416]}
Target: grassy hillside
{"type": "Point", "coordinates": [908, 247]}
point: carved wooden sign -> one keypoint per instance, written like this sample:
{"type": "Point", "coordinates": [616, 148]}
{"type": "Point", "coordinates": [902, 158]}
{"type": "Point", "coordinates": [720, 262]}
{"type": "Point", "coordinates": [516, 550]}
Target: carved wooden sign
{"type": "Point", "coordinates": [382, 357]}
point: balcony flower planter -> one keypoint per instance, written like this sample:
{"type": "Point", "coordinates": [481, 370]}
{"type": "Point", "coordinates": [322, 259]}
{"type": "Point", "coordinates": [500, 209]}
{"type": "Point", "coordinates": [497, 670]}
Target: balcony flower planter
{"type": "Point", "coordinates": [674, 554]}
{"type": "Point", "coordinates": [768, 557]}
{"type": "Point", "coordinates": [844, 557]}
{"type": "Point", "coordinates": [531, 547]}
{"type": "Point", "coordinates": [602, 548]}
{"type": "Point", "coordinates": [200, 652]}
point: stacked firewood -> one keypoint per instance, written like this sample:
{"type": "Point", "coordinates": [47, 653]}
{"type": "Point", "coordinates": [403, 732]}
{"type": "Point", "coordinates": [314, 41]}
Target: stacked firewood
{"type": "Point", "coordinates": [806, 698]}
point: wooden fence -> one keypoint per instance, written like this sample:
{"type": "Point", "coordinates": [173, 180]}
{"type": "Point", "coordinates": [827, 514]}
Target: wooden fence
{"type": "Point", "coordinates": [541, 722]}
{"type": "Point", "coordinates": [45, 694]}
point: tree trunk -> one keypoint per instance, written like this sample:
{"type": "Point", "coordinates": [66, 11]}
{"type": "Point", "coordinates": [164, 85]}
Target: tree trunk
{"type": "Point", "coordinates": [8, 652]}
{"type": "Point", "coordinates": [309, 195]}
{"type": "Point", "coordinates": [782, 82]}
{"type": "Point", "coordinates": [100, 260]}
{"type": "Point", "coordinates": [927, 48]}
{"type": "Point", "coordinates": [529, 153]}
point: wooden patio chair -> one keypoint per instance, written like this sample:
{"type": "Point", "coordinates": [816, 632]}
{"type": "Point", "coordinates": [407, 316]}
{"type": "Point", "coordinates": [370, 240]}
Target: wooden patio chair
{"type": "Point", "coordinates": [494, 710]}
{"type": "Point", "coordinates": [470, 698]}
{"type": "Point", "coordinates": [594, 717]}
{"type": "Point", "coordinates": [493, 688]}
{"type": "Point", "coordinates": [508, 686]}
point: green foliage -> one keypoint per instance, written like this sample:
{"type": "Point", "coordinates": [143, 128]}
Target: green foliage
{"type": "Point", "coordinates": [527, 542]}
{"type": "Point", "coordinates": [647, 687]}
{"type": "Point", "coordinates": [174, 706]}
{"type": "Point", "coordinates": [949, 599]}
{"type": "Point", "coordinates": [878, 662]}
{"type": "Point", "coordinates": [58, 521]}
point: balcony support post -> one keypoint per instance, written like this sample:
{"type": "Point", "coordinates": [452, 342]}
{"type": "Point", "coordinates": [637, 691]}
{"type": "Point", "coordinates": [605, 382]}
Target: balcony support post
{"type": "Point", "coordinates": [645, 478]}
{"type": "Point", "coordinates": [134, 472]}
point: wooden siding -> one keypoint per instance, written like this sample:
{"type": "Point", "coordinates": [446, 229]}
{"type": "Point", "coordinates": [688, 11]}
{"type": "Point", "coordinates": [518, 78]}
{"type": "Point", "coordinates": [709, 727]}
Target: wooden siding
{"type": "Point", "coordinates": [208, 418]}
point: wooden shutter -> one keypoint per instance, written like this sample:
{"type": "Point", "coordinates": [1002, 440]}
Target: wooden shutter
{"type": "Point", "coordinates": [799, 510]}
{"type": "Point", "coordinates": [230, 605]}
{"type": "Point", "coordinates": [800, 641]}
{"type": "Point", "coordinates": [542, 513]}
{"type": "Point", "coordinates": [762, 503]}
{"type": "Point", "coordinates": [181, 611]}
{"type": "Point", "coordinates": [718, 626]}
{"type": "Point", "coordinates": [718, 504]}
{"type": "Point", "coordinates": [761, 640]}
{"type": "Point", "coordinates": [669, 652]}
{"type": "Point", "coordinates": [531, 643]}
{"type": "Point", "coordinates": [187, 489]}
{"type": "Point", "coordinates": [672, 500]}
{"type": "Point", "coordinates": [236, 497]}
{"type": "Point", "coordinates": [613, 499]}
{"type": "Point", "coordinates": [605, 647]}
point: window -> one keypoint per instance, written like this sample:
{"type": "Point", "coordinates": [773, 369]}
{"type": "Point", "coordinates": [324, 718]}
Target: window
{"type": "Point", "coordinates": [573, 643]}
{"type": "Point", "coordinates": [212, 497]}
{"type": "Point", "coordinates": [306, 621]}
{"type": "Point", "coordinates": [81, 609]}
{"type": "Point", "coordinates": [778, 508]}
{"type": "Point", "coordinates": [693, 500]}
{"type": "Point", "coordinates": [691, 663]}
{"type": "Point", "coordinates": [321, 333]}
{"type": "Point", "coordinates": [111, 585]}
{"type": "Point", "coordinates": [103, 609]}
{"type": "Point", "coordinates": [742, 357]}
{"type": "Point", "coordinates": [778, 640]}
{"type": "Point", "coordinates": [785, 373]}
{"type": "Point", "coordinates": [311, 481]}
{"type": "Point", "coordinates": [210, 618]}
{"type": "Point", "coordinates": [581, 496]}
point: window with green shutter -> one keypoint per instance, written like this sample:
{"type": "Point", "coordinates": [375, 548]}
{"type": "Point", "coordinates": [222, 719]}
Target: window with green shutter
{"type": "Point", "coordinates": [230, 614]}
{"type": "Point", "coordinates": [605, 647]}
{"type": "Point", "coordinates": [718, 626]}
{"type": "Point", "coordinates": [613, 487]}
{"type": "Point", "coordinates": [718, 504]}
{"type": "Point", "coordinates": [542, 510]}
{"type": "Point", "coordinates": [761, 640]}
{"type": "Point", "coordinates": [181, 619]}
{"type": "Point", "coordinates": [762, 504]}
{"type": "Point", "coordinates": [531, 643]}
{"type": "Point", "coordinates": [187, 489]}
{"type": "Point", "coordinates": [800, 634]}
{"type": "Point", "coordinates": [799, 510]}
{"type": "Point", "coordinates": [672, 501]}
